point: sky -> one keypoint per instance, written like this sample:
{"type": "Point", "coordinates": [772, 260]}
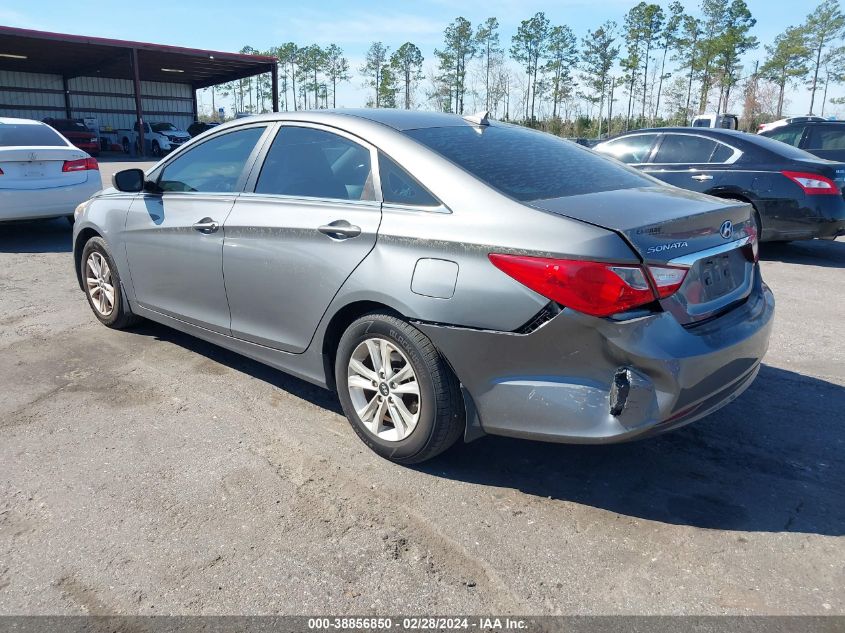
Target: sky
{"type": "Point", "coordinates": [353, 25]}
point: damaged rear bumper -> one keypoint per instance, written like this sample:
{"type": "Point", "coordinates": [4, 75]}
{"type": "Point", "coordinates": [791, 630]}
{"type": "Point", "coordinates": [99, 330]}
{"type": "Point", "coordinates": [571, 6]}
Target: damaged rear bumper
{"type": "Point", "coordinates": [590, 380]}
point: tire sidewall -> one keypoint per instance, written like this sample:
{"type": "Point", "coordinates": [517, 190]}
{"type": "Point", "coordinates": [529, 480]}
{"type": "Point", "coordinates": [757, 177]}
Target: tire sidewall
{"type": "Point", "coordinates": [97, 244]}
{"type": "Point", "coordinates": [419, 438]}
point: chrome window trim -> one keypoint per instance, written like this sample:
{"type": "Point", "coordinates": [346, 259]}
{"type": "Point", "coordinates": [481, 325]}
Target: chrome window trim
{"type": "Point", "coordinates": [691, 258]}
{"type": "Point", "coordinates": [395, 206]}
{"type": "Point", "coordinates": [284, 198]}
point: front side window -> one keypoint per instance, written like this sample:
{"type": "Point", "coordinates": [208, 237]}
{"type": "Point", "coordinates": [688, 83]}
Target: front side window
{"type": "Point", "coordinates": [827, 137]}
{"type": "Point", "coordinates": [630, 149]}
{"type": "Point", "coordinates": [214, 166]}
{"type": "Point", "coordinates": [683, 148]}
{"type": "Point", "coordinates": [790, 135]}
{"type": "Point", "coordinates": [525, 164]}
{"type": "Point", "coordinates": [399, 187]}
{"type": "Point", "coordinates": [312, 163]}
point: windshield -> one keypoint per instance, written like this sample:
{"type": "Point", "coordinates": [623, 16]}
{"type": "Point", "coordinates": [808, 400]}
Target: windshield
{"type": "Point", "coordinates": [780, 148]}
{"type": "Point", "coordinates": [29, 135]}
{"type": "Point", "coordinates": [164, 127]}
{"type": "Point", "coordinates": [528, 165]}
{"type": "Point", "coordinates": [68, 125]}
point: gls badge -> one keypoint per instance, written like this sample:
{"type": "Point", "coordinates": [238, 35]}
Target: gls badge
{"type": "Point", "coordinates": [666, 247]}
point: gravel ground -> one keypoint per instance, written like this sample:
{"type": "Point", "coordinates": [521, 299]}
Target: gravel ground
{"type": "Point", "coordinates": [146, 472]}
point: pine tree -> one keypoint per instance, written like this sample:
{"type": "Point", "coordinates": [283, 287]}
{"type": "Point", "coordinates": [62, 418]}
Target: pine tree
{"type": "Point", "coordinates": [406, 62]}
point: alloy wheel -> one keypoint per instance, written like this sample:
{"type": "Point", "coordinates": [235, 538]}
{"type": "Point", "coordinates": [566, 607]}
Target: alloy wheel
{"type": "Point", "coordinates": [384, 389]}
{"type": "Point", "coordinates": [98, 280]}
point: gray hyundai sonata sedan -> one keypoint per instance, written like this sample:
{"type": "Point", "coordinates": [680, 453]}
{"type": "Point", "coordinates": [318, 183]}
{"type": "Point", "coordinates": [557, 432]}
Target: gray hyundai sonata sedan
{"type": "Point", "coordinates": [447, 276]}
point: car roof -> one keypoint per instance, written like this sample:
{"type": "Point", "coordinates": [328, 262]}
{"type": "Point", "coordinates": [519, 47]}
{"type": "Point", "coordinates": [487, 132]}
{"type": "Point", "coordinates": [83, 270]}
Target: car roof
{"type": "Point", "coordinates": [11, 120]}
{"type": "Point", "coordinates": [812, 122]}
{"type": "Point", "coordinates": [396, 119]}
{"type": "Point", "coordinates": [712, 131]}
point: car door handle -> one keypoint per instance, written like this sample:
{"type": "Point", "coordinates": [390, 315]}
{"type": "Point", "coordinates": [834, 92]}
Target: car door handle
{"type": "Point", "coordinates": [206, 225]}
{"type": "Point", "coordinates": [702, 177]}
{"type": "Point", "coordinates": [340, 230]}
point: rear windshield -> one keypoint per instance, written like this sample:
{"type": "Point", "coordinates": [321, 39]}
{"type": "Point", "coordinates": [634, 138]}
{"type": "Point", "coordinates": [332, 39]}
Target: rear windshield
{"type": "Point", "coordinates": [528, 165]}
{"type": "Point", "coordinates": [16, 134]}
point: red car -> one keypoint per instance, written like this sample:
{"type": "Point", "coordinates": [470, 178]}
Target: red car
{"type": "Point", "coordinates": [77, 133]}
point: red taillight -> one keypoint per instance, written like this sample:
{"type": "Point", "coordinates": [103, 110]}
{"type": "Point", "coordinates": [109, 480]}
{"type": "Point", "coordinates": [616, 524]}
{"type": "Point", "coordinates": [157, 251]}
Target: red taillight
{"type": "Point", "coordinates": [752, 249]}
{"type": "Point", "coordinates": [812, 184]}
{"type": "Point", "coordinates": [81, 164]}
{"type": "Point", "coordinates": [595, 288]}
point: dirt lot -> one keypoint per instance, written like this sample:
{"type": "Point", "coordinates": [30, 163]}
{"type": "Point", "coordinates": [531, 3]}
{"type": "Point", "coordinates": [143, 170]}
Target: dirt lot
{"type": "Point", "coordinates": [146, 472]}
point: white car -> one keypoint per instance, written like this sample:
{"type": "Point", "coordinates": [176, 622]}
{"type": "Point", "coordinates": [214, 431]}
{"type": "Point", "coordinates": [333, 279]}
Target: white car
{"type": "Point", "coordinates": [42, 175]}
{"type": "Point", "coordinates": [765, 127]}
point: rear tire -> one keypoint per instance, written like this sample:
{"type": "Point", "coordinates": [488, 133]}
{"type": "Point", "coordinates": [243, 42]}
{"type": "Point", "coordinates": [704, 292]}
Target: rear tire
{"type": "Point", "coordinates": [424, 388]}
{"type": "Point", "coordinates": [103, 289]}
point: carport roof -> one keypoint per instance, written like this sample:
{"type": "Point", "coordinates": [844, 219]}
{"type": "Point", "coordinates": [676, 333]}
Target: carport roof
{"type": "Point", "coordinates": [26, 50]}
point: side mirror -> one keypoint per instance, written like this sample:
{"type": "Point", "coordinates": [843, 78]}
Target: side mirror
{"type": "Point", "coordinates": [129, 180]}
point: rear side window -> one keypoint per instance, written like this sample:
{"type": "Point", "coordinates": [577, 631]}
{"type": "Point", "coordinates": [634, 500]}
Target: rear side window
{"type": "Point", "coordinates": [790, 135]}
{"type": "Point", "coordinates": [683, 148]}
{"type": "Point", "coordinates": [214, 166]}
{"type": "Point", "coordinates": [527, 165]}
{"type": "Point", "coordinates": [399, 187]}
{"type": "Point", "coordinates": [315, 163]}
{"type": "Point", "coordinates": [632, 149]}
{"type": "Point", "coordinates": [826, 137]}
{"type": "Point", "coordinates": [27, 134]}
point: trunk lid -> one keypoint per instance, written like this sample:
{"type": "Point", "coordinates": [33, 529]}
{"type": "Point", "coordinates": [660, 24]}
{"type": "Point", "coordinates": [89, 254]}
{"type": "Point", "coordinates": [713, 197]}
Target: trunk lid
{"type": "Point", "coordinates": [39, 167]}
{"type": "Point", "coordinates": [669, 226]}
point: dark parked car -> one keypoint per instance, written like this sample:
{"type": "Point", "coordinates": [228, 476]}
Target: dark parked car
{"type": "Point", "coordinates": [825, 139]}
{"type": "Point", "coordinates": [795, 194]}
{"type": "Point", "coordinates": [198, 127]}
{"type": "Point", "coordinates": [77, 133]}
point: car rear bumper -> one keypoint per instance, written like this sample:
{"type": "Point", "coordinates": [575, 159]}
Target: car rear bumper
{"type": "Point", "coordinates": [30, 204]}
{"type": "Point", "coordinates": [556, 383]}
{"type": "Point", "coordinates": [821, 217]}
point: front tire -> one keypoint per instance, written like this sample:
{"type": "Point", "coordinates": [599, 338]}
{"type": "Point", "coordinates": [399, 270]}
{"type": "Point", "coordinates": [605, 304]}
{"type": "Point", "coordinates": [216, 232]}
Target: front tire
{"type": "Point", "coordinates": [397, 391]}
{"type": "Point", "coordinates": [103, 289]}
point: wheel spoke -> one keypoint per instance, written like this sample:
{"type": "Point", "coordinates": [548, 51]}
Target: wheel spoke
{"type": "Point", "coordinates": [94, 291]}
{"type": "Point", "coordinates": [378, 418]}
{"type": "Point", "coordinates": [403, 374]}
{"type": "Point", "coordinates": [109, 292]}
{"type": "Point", "coordinates": [398, 421]}
{"type": "Point", "coordinates": [406, 416]}
{"type": "Point", "coordinates": [375, 354]}
{"type": "Point", "coordinates": [366, 412]}
{"type": "Point", "coordinates": [362, 370]}
{"type": "Point", "coordinates": [384, 348]}
{"type": "Point", "coordinates": [359, 382]}
{"type": "Point", "coordinates": [410, 387]}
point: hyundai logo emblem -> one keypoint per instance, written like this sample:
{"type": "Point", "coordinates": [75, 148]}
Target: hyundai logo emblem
{"type": "Point", "coordinates": [726, 230]}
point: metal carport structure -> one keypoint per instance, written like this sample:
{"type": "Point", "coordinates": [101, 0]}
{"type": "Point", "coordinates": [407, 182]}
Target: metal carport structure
{"type": "Point", "coordinates": [65, 76]}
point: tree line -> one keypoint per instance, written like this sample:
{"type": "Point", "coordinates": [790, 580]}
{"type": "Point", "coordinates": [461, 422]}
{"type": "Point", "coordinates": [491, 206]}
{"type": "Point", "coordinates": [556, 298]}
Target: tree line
{"type": "Point", "coordinates": [659, 66]}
